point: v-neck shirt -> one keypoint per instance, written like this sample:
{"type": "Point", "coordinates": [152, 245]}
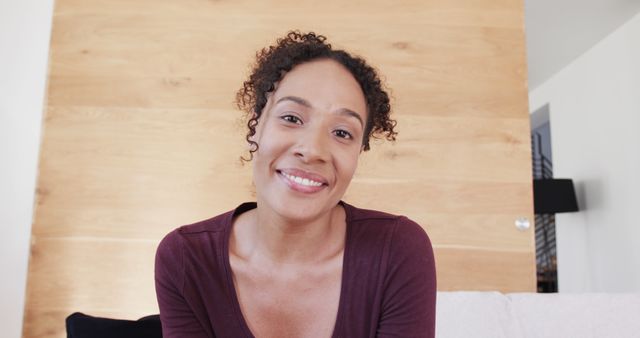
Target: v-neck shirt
{"type": "Point", "coordinates": [388, 286]}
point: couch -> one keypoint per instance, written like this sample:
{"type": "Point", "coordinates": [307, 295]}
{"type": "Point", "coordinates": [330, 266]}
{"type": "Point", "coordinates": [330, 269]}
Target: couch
{"type": "Point", "coordinates": [462, 314]}
{"type": "Point", "coordinates": [535, 315]}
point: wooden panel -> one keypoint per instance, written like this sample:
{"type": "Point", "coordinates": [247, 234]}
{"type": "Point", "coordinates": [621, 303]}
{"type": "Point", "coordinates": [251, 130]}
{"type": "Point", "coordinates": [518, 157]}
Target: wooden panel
{"type": "Point", "coordinates": [141, 135]}
{"type": "Point", "coordinates": [137, 173]}
{"type": "Point", "coordinates": [452, 148]}
{"type": "Point", "coordinates": [61, 267]}
{"type": "Point", "coordinates": [487, 270]}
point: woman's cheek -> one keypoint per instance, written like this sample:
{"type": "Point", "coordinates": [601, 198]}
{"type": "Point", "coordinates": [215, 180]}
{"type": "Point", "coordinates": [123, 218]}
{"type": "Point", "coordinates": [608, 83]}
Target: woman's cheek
{"type": "Point", "coordinates": [348, 164]}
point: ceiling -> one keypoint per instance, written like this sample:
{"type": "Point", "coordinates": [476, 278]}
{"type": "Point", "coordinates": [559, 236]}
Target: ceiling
{"type": "Point", "coordinates": [558, 31]}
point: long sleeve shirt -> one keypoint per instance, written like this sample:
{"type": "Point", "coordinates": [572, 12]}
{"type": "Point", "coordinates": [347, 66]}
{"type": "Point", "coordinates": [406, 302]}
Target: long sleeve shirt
{"type": "Point", "coordinates": [388, 281]}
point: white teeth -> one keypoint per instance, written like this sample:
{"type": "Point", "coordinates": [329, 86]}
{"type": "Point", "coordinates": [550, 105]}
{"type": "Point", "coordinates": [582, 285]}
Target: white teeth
{"type": "Point", "coordinates": [302, 181]}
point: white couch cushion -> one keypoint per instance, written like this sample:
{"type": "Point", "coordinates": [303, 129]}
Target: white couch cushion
{"type": "Point", "coordinates": [577, 315]}
{"type": "Point", "coordinates": [475, 314]}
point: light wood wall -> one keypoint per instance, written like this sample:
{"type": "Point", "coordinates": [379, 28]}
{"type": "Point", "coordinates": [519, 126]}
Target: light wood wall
{"type": "Point", "coordinates": [141, 136]}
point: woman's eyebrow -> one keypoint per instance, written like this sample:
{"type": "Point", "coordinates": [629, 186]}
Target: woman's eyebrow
{"type": "Point", "coordinates": [303, 102]}
{"type": "Point", "coordinates": [297, 100]}
{"type": "Point", "coordinates": [349, 112]}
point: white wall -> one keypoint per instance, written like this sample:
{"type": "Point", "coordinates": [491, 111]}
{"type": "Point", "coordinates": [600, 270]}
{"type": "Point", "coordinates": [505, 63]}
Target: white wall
{"type": "Point", "coordinates": [25, 27]}
{"type": "Point", "coordinates": [594, 106]}
{"type": "Point", "coordinates": [560, 31]}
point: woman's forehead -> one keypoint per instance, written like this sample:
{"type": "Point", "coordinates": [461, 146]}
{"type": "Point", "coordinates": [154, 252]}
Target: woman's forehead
{"type": "Point", "coordinates": [322, 84]}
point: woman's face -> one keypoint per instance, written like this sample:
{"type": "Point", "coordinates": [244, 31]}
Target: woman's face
{"type": "Point", "coordinates": [309, 136]}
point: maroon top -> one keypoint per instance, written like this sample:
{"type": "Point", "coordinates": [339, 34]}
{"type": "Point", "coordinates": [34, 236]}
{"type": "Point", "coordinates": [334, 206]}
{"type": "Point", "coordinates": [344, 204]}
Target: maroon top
{"type": "Point", "coordinates": [388, 280]}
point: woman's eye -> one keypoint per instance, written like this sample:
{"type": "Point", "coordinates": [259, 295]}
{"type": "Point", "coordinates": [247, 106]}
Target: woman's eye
{"type": "Point", "coordinates": [292, 119]}
{"type": "Point", "coordinates": [343, 134]}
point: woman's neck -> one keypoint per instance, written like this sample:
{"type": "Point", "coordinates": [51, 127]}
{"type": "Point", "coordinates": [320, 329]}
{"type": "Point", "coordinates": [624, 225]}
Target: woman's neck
{"type": "Point", "coordinates": [263, 236]}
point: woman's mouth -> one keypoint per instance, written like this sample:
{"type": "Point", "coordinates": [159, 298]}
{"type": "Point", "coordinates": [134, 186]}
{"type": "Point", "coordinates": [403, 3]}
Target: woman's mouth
{"type": "Point", "coordinates": [302, 181]}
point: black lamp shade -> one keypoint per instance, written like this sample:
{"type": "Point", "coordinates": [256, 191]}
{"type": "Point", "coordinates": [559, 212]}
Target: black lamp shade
{"type": "Point", "coordinates": [552, 196]}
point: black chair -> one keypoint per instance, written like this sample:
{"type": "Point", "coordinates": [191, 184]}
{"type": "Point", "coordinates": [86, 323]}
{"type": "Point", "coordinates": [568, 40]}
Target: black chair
{"type": "Point", "coordinates": [80, 325]}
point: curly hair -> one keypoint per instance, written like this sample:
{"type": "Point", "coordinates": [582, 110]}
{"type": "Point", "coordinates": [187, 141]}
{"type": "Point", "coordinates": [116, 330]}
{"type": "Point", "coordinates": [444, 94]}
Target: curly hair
{"type": "Point", "coordinates": [273, 62]}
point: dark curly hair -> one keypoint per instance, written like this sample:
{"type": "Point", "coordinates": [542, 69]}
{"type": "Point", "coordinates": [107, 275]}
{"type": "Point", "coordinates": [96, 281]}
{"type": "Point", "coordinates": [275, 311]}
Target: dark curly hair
{"type": "Point", "coordinates": [273, 62]}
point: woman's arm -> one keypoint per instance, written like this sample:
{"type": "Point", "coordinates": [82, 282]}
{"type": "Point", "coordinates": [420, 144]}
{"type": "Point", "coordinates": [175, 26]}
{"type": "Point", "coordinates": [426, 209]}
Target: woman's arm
{"type": "Point", "coordinates": [409, 301]}
{"type": "Point", "coordinates": [177, 317]}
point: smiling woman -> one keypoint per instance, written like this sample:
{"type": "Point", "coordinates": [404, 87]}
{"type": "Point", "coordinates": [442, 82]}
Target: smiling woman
{"type": "Point", "coordinates": [300, 262]}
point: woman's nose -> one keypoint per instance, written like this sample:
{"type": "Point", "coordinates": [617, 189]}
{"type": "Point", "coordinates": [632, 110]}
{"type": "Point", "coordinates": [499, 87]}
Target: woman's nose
{"type": "Point", "coordinates": [313, 145]}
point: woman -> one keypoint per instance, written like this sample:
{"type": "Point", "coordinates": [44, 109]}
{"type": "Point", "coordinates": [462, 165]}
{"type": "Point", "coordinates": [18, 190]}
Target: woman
{"type": "Point", "coordinates": [300, 262]}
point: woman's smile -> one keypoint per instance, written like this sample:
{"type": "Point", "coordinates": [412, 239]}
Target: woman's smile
{"type": "Point", "coordinates": [302, 181]}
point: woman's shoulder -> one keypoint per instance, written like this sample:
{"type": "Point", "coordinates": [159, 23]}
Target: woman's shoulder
{"type": "Point", "coordinates": [203, 232]}
{"type": "Point", "coordinates": [402, 250]}
{"type": "Point", "coordinates": [381, 220]}
{"type": "Point", "coordinates": [398, 234]}
{"type": "Point", "coordinates": [193, 233]}
{"type": "Point", "coordinates": [356, 214]}
{"type": "Point", "coordinates": [209, 225]}
{"type": "Point", "coordinates": [218, 223]}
